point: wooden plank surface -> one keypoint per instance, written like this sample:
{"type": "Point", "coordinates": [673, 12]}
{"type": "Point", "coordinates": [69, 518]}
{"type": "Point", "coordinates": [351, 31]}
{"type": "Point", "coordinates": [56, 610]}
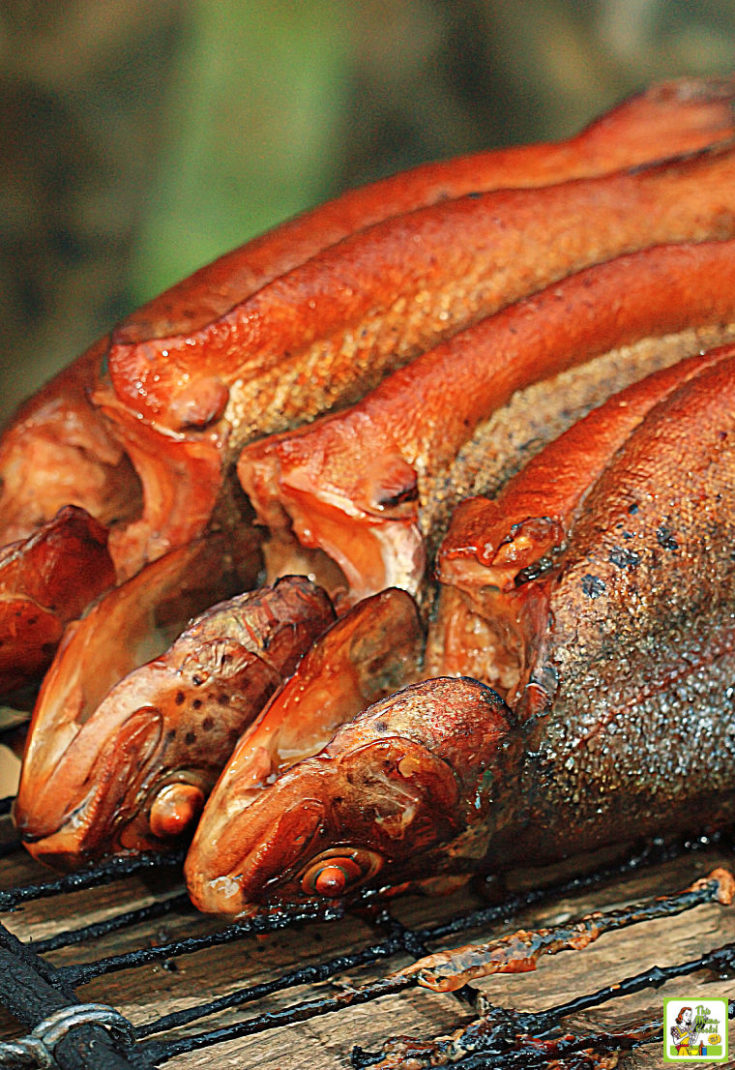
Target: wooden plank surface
{"type": "Point", "coordinates": [146, 992]}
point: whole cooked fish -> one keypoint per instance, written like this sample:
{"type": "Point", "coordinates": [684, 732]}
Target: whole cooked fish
{"type": "Point", "coordinates": [620, 720]}
{"type": "Point", "coordinates": [175, 396]}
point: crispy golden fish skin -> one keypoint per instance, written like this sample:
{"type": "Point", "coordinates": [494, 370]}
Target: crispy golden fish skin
{"type": "Point", "coordinates": [135, 774]}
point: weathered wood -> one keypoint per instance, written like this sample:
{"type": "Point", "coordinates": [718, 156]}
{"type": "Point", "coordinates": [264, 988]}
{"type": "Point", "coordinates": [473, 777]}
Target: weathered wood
{"type": "Point", "coordinates": [146, 993]}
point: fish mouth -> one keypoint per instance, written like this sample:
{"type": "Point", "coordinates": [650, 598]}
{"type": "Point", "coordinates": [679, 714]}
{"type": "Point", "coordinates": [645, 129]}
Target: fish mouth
{"type": "Point", "coordinates": [401, 790]}
{"type": "Point", "coordinates": [356, 539]}
{"type": "Point", "coordinates": [354, 554]}
{"type": "Point", "coordinates": [92, 828]}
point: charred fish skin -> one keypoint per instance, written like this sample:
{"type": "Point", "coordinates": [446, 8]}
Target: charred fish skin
{"type": "Point", "coordinates": [155, 745]}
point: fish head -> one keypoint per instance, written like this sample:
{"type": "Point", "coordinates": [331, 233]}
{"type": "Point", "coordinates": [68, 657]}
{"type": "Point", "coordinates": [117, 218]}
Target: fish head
{"type": "Point", "coordinates": [401, 794]}
{"type": "Point", "coordinates": [100, 737]}
{"type": "Point", "coordinates": [132, 779]}
{"type": "Point", "coordinates": [340, 492]}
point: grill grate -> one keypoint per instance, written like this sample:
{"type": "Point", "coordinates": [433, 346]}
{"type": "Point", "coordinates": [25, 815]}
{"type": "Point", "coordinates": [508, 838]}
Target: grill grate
{"type": "Point", "coordinates": [169, 977]}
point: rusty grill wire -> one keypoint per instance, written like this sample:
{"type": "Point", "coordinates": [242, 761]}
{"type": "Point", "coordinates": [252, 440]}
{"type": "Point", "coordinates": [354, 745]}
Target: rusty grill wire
{"type": "Point", "coordinates": [31, 989]}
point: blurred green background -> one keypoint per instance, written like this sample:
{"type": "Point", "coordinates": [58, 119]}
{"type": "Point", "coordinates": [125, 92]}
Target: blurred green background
{"type": "Point", "coordinates": [140, 140]}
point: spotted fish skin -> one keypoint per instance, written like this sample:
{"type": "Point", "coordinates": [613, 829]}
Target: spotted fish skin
{"type": "Point", "coordinates": [156, 744]}
{"type": "Point", "coordinates": [628, 695]}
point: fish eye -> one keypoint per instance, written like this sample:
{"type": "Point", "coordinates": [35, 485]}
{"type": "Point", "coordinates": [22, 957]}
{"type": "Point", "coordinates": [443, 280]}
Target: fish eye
{"type": "Point", "coordinates": [336, 872]}
{"type": "Point", "coordinates": [175, 808]}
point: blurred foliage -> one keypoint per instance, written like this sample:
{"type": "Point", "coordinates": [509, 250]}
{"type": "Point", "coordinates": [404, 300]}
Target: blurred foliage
{"type": "Point", "coordinates": [253, 107]}
{"type": "Point", "coordinates": [141, 140]}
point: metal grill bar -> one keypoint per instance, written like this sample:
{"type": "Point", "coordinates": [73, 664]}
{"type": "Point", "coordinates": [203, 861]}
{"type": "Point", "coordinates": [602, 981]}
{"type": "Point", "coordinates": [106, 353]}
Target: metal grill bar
{"type": "Point", "coordinates": [299, 1013]}
{"type": "Point", "coordinates": [503, 1051]}
{"type": "Point", "coordinates": [305, 975]}
{"type": "Point", "coordinates": [80, 975]}
{"type": "Point", "coordinates": [536, 1025]}
{"type": "Point", "coordinates": [395, 939]}
{"type": "Point", "coordinates": [413, 942]}
{"type": "Point", "coordinates": [496, 1033]}
{"type": "Point", "coordinates": [31, 991]}
{"type": "Point", "coordinates": [69, 937]}
{"type": "Point", "coordinates": [722, 960]}
{"type": "Point", "coordinates": [93, 877]}
{"type": "Point", "coordinates": [525, 1058]}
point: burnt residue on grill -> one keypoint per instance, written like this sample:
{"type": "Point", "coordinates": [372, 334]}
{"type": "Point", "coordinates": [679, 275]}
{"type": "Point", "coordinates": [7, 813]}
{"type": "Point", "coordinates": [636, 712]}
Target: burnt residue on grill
{"type": "Point", "coordinates": [147, 939]}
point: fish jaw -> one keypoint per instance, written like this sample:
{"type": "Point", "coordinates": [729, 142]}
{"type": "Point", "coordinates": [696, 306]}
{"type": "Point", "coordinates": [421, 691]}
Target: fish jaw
{"type": "Point", "coordinates": [201, 694]}
{"type": "Point", "coordinates": [86, 820]}
{"type": "Point", "coordinates": [410, 788]}
{"type": "Point", "coordinates": [372, 553]}
{"type": "Point", "coordinates": [126, 628]}
{"type": "Point", "coordinates": [136, 775]}
{"type": "Point", "coordinates": [341, 490]}
{"type": "Point", "coordinates": [181, 476]}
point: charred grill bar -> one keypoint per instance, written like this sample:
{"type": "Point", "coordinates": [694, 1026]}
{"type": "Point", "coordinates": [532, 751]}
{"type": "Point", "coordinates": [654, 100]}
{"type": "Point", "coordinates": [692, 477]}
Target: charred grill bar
{"type": "Point", "coordinates": [96, 1034]}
